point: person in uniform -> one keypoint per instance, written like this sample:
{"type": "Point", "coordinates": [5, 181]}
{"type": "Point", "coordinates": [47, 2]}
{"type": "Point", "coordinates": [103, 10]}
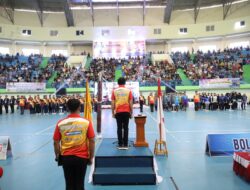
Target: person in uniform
{"type": "Point", "coordinates": [196, 101]}
{"type": "Point", "coordinates": [6, 103]}
{"type": "Point", "coordinates": [74, 146]}
{"type": "Point", "coordinates": [12, 104]}
{"type": "Point", "coordinates": [151, 102]}
{"type": "Point", "coordinates": [1, 105]}
{"type": "Point", "coordinates": [46, 105]}
{"type": "Point", "coordinates": [50, 104]}
{"type": "Point", "coordinates": [53, 105]}
{"type": "Point", "coordinates": [122, 110]}
{"type": "Point", "coordinates": [22, 104]}
{"type": "Point", "coordinates": [31, 105]}
{"type": "Point", "coordinates": [141, 102]}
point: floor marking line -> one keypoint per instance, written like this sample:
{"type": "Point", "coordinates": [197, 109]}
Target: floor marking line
{"type": "Point", "coordinates": [167, 131]}
{"type": "Point", "coordinates": [40, 132]}
{"type": "Point", "coordinates": [175, 185]}
{"type": "Point", "coordinates": [34, 151]}
{"type": "Point", "coordinates": [46, 129]}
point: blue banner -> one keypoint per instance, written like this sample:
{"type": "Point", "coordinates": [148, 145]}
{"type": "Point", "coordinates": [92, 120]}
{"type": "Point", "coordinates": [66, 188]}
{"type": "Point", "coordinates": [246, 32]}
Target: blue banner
{"type": "Point", "coordinates": [227, 144]}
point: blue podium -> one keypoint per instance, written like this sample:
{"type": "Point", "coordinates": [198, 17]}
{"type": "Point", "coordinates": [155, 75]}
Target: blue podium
{"type": "Point", "coordinates": [134, 166]}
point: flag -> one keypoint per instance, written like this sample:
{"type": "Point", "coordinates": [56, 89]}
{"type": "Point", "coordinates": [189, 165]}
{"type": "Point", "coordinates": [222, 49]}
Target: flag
{"type": "Point", "coordinates": [160, 115]}
{"type": "Point", "coordinates": [87, 105]}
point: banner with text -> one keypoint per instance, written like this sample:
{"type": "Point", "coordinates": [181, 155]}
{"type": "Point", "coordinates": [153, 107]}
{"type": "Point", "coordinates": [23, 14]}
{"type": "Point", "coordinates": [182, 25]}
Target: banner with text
{"type": "Point", "coordinates": [107, 88]}
{"type": "Point", "coordinates": [219, 83]}
{"type": "Point", "coordinates": [25, 87]}
{"type": "Point", "coordinates": [227, 144]}
{"type": "Point", "coordinates": [118, 49]}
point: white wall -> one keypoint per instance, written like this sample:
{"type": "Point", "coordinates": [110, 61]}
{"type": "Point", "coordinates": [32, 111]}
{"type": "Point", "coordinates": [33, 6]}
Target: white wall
{"type": "Point", "coordinates": [156, 47]}
{"type": "Point", "coordinates": [150, 47]}
{"type": "Point", "coordinates": [78, 49]}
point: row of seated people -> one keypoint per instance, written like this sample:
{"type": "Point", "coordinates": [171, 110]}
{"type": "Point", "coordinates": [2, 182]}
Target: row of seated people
{"type": "Point", "coordinates": [213, 64]}
{"type": "Point", "coordinates": [20, 68]}
{"type": "Point", "coordinates": [40, 105]}
{"type": "Point", "coordinates": [215, 101]}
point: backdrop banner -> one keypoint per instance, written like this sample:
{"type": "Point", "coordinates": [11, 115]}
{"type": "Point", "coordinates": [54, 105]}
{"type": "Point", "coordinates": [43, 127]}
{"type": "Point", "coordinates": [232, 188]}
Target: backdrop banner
{"type": "Point", "coordinates": [107, 88]}
{"type": "Point", "coordinates": [25, 87]}
{"type": "Point", "coordinates": [119, 49]}
{"type": "Point", "coordinates": [219, 83]}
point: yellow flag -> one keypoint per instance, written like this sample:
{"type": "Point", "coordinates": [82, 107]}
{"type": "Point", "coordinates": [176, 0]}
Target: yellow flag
{"type": "Point", "coordinates": [87, 105]}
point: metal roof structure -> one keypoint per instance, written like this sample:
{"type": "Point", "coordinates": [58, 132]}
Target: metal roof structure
{"type": "Point", "coordinates": [66, 6]}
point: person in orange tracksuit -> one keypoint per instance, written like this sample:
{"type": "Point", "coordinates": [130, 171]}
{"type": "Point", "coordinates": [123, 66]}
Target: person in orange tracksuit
{"type": "Point", "coordinates": [151, 102]}
{"type": "Point", "coordinates": [196, 101]}
{"type": "Point", "coordinates": [122, 110]}
{"type": "Point", "coordinates": [22, 104]}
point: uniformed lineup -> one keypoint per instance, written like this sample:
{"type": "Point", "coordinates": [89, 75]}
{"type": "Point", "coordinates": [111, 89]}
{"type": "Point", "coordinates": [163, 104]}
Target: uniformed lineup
{"type": "Point", "coordinates": [46, 104]}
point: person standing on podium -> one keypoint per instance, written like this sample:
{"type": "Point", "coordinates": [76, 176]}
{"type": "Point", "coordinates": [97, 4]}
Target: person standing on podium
{"type": "Point", "coordinates": [122, 110]}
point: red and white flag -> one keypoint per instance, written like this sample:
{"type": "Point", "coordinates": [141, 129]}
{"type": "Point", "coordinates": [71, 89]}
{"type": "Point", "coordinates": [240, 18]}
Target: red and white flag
{"type": "Point", "coordinates": [160, 115]}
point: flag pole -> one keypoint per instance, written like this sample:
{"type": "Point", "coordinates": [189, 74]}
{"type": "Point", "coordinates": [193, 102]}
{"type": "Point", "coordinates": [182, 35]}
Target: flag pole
{"type": "Point", "coordinates": [160, 145]}
{"type": "Point", "coordinates": [99, 106]}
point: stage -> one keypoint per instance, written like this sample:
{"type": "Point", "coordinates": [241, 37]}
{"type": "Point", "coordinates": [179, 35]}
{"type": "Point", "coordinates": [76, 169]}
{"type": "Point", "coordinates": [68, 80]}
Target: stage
{"type": "Point", "coordinates": [134, 166]}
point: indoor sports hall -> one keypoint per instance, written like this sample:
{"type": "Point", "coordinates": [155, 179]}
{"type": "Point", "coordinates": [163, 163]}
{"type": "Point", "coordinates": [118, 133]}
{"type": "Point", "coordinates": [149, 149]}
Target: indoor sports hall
{"type": "Point", "coordinates": [124, 94]}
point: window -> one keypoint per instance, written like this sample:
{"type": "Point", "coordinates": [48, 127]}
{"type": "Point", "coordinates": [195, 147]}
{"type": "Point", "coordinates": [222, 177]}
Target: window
{"type": "Point", "coordinates": [26, 32]}
{"type": "Point", "coordinates": [53, 33]}
{"type": "Point", "coordinates": [239, 24]}
{"type": "Point", "coordinates": [28, 52]}
{"type": "Point", "coordinates": [105, 32]}
{"type": "Point", "coordinates": [59, 52]}
{"type": "Point", "coordinates": [207, 48]}
{"type": "Point", "coordinates": [157, 31]}
{"type": "Point", "coordinates": [183, 31]}
{"type": "Point", "coordinates": [80, 32]}
{"type": "Point", "coordinates": [210, 28]}
{"type": "Point", "coordinates": [180, 49]}
{"type": "Point", "coordinates": [4, 50]}
{"type": "Point", "coordinates": [239, 44]}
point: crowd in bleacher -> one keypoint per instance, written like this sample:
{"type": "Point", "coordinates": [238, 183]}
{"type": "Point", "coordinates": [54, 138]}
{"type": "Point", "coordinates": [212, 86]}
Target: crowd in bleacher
{"type": "Point", "coordinates": [20, 68]}
{"type": "Point", "coordinates": [213, 64]}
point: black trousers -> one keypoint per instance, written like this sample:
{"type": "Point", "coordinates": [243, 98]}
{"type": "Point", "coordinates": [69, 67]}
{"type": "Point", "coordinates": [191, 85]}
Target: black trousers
{"type": "Point", "coordinates": [45, 109]}
{"type": "Point", "coordinates": [122, 120]}
{"type": "Point", "coordinates": [1, 110]}
{"type": "Point", "coordinates": [141, 107]}
{"type": "Point", "coordinates": [12, 108]}
{"type": "Point", "coordinates": [243, 105]}
{"type": "Point", "coordinates": [22, 110]}
{"type": "Point", "coordinates": [196, 106]}
{"type": "Point", "coordinates": [74, 169]}
{"type": "Point", "coordinates": [6, 108]}
{"type": "Point", "coordinates": [152, 107]}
